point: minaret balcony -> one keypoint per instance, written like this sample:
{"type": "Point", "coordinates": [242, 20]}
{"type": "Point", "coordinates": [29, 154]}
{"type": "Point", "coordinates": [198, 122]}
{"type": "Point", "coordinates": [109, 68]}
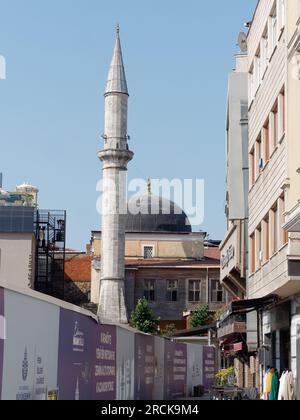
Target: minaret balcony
{"type": "Point", "coordinates": [115, 158]}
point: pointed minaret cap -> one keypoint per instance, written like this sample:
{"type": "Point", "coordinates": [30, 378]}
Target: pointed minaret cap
{"type": "Point", "coordinates": [116, 82]}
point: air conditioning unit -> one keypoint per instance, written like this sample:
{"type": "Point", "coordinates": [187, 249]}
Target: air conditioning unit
{"type": "Point", "coordinates": [261, 256]}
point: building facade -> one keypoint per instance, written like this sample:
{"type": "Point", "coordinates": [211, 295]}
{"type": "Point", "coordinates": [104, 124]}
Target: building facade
{"type": "Point", "coordinates": [232, 329]}
{"type": "Point", "coordinates": [165, 262]}
{"type": "Point", "coordinates": [234, 247]}
{"type": "Point", "coordinates": [273, 154]}
{"type": "Point", "coordinates": [32, 243]}
{"type": "Point", "coordinates": [17, 246]}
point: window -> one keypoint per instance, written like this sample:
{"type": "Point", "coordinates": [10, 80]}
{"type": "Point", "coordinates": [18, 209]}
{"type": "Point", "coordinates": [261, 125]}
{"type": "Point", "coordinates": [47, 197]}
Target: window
{"type": "Point", "coordinates": [266, 135]}
{"type": "Point", "coordinates": [281, 14]}
{"type": "Point", "coordinates": [252, 254]}
{"type": "Point", "coordinates": [284, 236]}
{"type": "Point", "coordinates": [172, 290]}
{"type": "Point", "coordinates": [257, 71]}
{"type": "Point", "coordinates": [264, 53]}
{"type": "Point", "coordinates": [216, 294]}
{"type": "Point", "coordinates": [272, 32]}
{"type": "Point", "coordinates": [259, 157]}
{"type": "Point", "coordinates": [148, 252]}
{"type": "Point", "coordinates": [149, 290]}
{"type": "Point", "coordinates": [252, 167]}
{"type": "Point", "coordinates": [266, 238]}
{"type": "Point", "coordinates": [274, 119]}
{"type": "Point", "coordinates": [251, 84]}
{"type": "Point", "coordinates": [195, 290]}
{"type": "Point", "coordinates": [258, 247]}
{"type": "Point", "coordinates": [281, 114]}
{"type": "Point", "coordinates": [275, 229]}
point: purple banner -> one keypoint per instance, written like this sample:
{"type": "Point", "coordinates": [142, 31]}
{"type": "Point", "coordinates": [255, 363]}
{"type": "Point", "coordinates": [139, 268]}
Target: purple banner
{"type": "Point", "coordinates": [75, 356]}
{"type": "Point", "coordinates": [2, 336]}
{"type": "Point", "coordinates": [209, 367]}
{"type": "Point", "coordinates": [105, 363]}
{"type": "Point", "coordinates": [175, 370]}
{"type": "Point", "coordinates": [144, 367]}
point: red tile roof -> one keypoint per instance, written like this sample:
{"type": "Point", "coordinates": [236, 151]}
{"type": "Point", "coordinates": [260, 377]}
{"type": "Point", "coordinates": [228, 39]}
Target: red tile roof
{"type": "Point", "coordinates": [78, 269]}
{"type": "Point", "coordinates": [213, 253]}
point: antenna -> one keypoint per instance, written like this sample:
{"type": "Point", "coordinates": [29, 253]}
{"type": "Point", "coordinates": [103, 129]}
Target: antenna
{"type": "Point", "coordinates": [243, 42]}
{"type": "Point", "coordinates": [1, 179]}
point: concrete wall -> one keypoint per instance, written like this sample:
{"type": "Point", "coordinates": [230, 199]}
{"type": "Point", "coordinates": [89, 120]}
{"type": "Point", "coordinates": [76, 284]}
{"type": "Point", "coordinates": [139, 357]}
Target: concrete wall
{"type": "Point", "coordinates": [177, 248]}
{"type": "Point", "coordinates": [237, 142]}
{"type": "Point", "coordinates": [50, 345]}
{"type": "Point", "coordinates": [17, 259]}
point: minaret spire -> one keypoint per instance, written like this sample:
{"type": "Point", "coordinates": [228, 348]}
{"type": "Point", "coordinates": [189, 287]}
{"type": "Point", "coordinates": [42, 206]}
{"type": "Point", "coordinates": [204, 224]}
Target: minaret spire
{"type": "Point", "coordinates": [116, 82]}
{"type": "Point", "coordinates": [115, 158]}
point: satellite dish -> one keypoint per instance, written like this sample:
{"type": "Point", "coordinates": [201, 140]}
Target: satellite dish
{"type": "Point", "coordinates": [243, 42]}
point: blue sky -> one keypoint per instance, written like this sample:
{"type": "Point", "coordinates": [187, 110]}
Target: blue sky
{"type": "Point", "coordinates": [177, 56]}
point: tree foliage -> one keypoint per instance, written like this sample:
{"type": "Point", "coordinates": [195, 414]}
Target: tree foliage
{"type": "Point", "coordinates": [226, 377]}
{"type": "Point", "coordinates": [200, 317]}
{"type": "Point", "coordinates": [143, 318]}
{"type": "Point", "coordinates": [169, 330]}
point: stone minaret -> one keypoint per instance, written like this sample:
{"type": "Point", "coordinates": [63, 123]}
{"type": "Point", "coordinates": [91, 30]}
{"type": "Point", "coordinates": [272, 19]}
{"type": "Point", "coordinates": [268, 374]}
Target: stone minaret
{"type": "Point", "coordinates": [115, 157]}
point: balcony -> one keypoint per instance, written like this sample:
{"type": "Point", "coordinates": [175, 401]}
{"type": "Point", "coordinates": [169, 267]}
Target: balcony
{"type": "Point", "coordinates": [232, 328]}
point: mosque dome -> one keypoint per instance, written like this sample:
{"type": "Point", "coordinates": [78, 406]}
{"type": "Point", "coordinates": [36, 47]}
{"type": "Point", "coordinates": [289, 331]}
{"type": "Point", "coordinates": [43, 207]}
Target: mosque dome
{"type": "Point", "coordinates": [150, 213]}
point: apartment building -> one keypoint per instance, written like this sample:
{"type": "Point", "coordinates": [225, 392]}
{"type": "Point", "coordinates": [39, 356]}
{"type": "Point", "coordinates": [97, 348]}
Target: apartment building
{"type": "Point", "coordinates": [274, 94]}
{"type": "Point", "coordinates": [293, 192]}
{"type": "Point", "coordinates": [232, 329]}
{"type": "Point", "coordinates": [234, 246]}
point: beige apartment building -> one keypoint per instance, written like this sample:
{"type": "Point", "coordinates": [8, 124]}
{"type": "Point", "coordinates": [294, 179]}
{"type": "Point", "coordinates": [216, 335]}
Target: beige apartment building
{"type": "Point", "coordinates": [274, 190]}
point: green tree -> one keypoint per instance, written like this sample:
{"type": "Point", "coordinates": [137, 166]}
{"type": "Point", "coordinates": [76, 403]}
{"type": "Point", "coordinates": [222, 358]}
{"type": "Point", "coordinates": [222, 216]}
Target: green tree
{"type": "Point", "coordinates": [200, 317]}
{"type": "Point", "coordinates": [143, 318]}
{"type": "Point", "coordinates": [169, 330]}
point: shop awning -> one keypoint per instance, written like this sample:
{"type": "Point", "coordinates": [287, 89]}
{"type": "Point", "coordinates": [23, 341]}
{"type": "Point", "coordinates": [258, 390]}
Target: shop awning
{"type": "Point", "coordinates": [246, 306]}
{"type": "Point", "coordinates": [195, 331]}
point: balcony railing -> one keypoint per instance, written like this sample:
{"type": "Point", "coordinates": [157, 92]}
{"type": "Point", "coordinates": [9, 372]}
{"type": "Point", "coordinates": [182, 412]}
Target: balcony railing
{"type": "Point", "coordinates": [232, 328]}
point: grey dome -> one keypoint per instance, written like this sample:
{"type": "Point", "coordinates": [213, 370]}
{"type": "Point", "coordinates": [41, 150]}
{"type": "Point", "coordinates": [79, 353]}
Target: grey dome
{"type": "Point", "coordinates": [150, 213]}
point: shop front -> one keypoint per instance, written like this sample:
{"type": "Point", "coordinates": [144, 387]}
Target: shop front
{"type": "Point", "coordinates": [233, 260]}
{"type": "Point", "coordinates": [240, 343]}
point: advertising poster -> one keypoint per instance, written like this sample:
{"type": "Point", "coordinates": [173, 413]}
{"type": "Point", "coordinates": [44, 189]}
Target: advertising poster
{"type": "Point", "coordinates": [159, 368]}
{"type": "Point", "coordinates": [76, 356]}
{"type": "Point", "coordinates": [144, 367]}
{"type": "Point", "coordinates": [209, 367]}
{"type": "Point", "coordinates": [105, 363]}
{"type": "Point", "coordinates": [30, 350]}
{"type": "Point", "coordinates": [195, 367]}
{"type": "Point", "coordinates": [175, 370]}
{"type": "Point", "coordinates": [2, 335]}
{"type": "Point", "coordinates": [125, 364]}
{"type": "Point", "coordinates": [298, 362]}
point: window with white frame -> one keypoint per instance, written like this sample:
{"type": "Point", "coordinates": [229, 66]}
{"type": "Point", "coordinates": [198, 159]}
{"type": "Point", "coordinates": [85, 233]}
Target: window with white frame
{"type": "Point", "coordinates": [172, 290]}
{"type": "Point", "coordinates": [257, 71]}
{"type": "Point", "coordinates": [280, 6]}
{"type": "Point", "coordinates": [148, 252]}
{"type": "Point", "coordinates": [251, 84]}
{"type": "Point", "coordinates": [264, 53]}
{"type": "Point", "coordinates": [273, 31]}
{"type": "Point", "coordinates": [281, 114]}
{"type": "Point", "coordinates": [195, 290]}
{"type": "Point", "coordinates": [258, 246]}
{"type": "Point", "coordinates": [266, 140]}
